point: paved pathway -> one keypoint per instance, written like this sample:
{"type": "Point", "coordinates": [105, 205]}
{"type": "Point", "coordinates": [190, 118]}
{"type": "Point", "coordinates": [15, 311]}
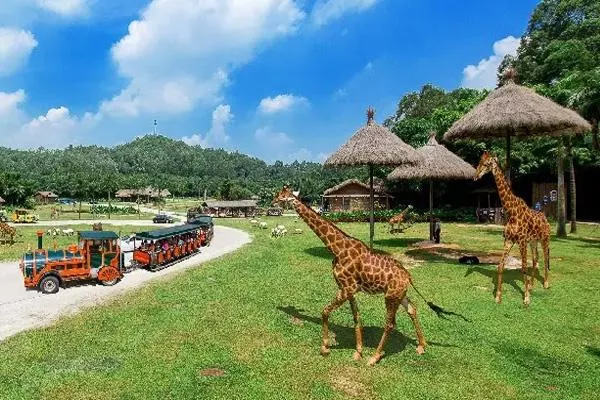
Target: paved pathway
{"type": "Point", "coordinates": [22, 309]}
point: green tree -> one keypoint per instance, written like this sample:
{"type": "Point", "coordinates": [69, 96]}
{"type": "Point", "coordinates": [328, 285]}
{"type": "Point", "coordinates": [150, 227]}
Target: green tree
{"type": "Point", "coordinates": [559, 55]}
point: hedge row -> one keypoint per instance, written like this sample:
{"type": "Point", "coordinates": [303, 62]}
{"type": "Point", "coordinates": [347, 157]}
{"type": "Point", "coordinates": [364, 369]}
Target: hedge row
{"type": "Point", "coordinates": [464, 214]}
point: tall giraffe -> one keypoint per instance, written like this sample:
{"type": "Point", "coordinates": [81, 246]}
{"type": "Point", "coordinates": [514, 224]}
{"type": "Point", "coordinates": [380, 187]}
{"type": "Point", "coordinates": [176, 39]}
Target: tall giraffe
{"type": "Point", "coordinates": [356, 268]}
{"type": "Point", "coordinates": [524, 226]}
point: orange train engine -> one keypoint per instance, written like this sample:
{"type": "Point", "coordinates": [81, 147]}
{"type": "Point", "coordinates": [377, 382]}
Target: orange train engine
{"type": "Point", "coordinates": [160, 248]}
{"type": "Point", "coordinates": [97, 257]}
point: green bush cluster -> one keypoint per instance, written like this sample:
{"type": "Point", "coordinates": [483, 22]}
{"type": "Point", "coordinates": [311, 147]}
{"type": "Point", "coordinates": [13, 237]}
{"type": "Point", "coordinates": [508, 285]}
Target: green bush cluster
{"type": "Point", "coordinates": [445, 214]}
{"type": "Point", "coordinates": [102, 209]}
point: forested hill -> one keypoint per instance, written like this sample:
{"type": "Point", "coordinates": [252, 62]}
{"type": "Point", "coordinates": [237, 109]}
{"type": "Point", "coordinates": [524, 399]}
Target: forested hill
{"type": "Point", "coordinates": [154, 160]}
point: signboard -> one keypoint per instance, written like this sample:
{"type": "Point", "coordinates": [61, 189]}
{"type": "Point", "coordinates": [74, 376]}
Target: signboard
{"type": "Point", "coordinates": [553, 195]}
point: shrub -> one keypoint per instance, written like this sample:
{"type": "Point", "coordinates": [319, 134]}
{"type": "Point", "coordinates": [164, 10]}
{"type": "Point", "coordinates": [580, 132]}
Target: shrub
{"type": "Point", "coordinates": [445, 214]}
{"type": "Point", "coordinates": [101, 209]}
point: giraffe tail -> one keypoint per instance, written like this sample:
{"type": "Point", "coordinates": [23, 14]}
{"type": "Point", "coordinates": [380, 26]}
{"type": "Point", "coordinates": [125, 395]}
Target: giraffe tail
{"type": "Point", "coordinates": [439, 311]}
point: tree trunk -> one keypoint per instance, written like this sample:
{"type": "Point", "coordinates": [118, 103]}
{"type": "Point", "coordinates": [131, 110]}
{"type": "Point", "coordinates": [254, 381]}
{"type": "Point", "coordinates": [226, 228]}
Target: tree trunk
{"type": "Point", "coordinates": [572, 192]}
{"type": "Point", "coordinates": [595, 132]}
{"type": "Point", "coordinates": [561, 228]}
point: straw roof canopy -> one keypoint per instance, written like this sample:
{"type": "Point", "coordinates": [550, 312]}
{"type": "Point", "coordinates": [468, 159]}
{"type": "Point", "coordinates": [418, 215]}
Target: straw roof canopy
{"type": "Point", "coordinates": [514, 110]}
{"type": "Point", "coordinates": [373, 144]}
{"type": "Point", "coordinates": [438, 163]}
{"type": "Point", "coordinates": [2, 200]}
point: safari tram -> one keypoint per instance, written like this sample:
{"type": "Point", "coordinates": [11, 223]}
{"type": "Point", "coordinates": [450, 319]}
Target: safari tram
{"type": "Point", "coordinates": [98, 256]}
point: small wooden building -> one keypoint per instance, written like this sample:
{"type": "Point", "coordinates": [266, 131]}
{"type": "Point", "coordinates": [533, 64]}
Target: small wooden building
{"type": "Point", "coordinates": [549, 190]}
{"type": "Point", "coordinates": [354, 195]}
{"type": "Point", "coordinates": [46, 197]}
{"type": "Point", "coordinates": [237, 208]}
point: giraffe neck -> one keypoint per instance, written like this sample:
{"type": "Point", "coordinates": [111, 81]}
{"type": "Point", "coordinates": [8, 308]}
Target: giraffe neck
{"type": "Point", "coordinates": [504, 191]}
{"type": "Point", "coordinates": [329, 234]}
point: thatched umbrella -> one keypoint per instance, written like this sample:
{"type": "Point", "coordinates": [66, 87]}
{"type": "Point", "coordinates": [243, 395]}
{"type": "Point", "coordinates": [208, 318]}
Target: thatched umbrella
{"type": "Point", "coordinates": [515, 110]}
{"type": "Point", "coordinates": [373, 145]}
{"type": "Point", "coordinates": [439, 163]}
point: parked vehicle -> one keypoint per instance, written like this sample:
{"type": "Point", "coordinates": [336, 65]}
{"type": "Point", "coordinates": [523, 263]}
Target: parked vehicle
{"type": "Point", "coordinates": [275, 211]}
{"type": "Point", "coordinates": [163, 219]}
{"type": "Point", "coordinates": [97, 257]}
{"type": "Point", "coordinates": [24, 216]}
{"type": "Point", "coordinates": [67, 201]}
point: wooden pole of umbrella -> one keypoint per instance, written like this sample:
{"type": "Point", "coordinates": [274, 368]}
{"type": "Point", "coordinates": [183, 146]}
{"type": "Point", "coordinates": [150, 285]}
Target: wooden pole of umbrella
{"type": "Point", "coordinates": [372, 217]}
{"type": "Point", "coordinates": [371, 145]}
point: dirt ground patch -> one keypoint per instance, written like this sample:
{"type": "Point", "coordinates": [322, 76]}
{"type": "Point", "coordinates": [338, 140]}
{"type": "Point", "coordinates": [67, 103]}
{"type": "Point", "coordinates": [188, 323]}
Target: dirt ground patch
{"type": "Point", "coordinates": [212, 372]}
{"type": "Point", "coordinates": [453, 252]}
{"type": "Point", "coordinates": [348, 382]}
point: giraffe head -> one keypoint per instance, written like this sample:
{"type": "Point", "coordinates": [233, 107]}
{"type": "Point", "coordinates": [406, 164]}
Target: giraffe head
{"type": "Point", "coordinates": [485, 164]}
{"type": "Point", "coordinates": [284, 196]}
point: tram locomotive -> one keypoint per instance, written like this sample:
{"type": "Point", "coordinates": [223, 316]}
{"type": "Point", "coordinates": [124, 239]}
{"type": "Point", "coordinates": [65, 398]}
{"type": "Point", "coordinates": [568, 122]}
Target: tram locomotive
{"type": "Point", "coordinates": [98, 256]}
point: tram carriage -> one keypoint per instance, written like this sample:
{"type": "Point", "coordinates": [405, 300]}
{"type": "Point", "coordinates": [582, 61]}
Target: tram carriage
{"type": "Point", "coordinates": [160, 248]}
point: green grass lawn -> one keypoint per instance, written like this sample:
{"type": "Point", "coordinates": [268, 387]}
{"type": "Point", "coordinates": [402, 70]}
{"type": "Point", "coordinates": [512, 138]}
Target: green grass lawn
{"type": "Point", "coordinates": [254, 317]}
{"type": "Point", "coordinates": [72, 213]}
{"type": "Point", "coordinates": [181, 204]}
{"type": "Point", "coordinates": [28, 238]}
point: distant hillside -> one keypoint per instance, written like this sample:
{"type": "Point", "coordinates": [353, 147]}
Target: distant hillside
{"type": "Point", "coordinates": [93, 171]}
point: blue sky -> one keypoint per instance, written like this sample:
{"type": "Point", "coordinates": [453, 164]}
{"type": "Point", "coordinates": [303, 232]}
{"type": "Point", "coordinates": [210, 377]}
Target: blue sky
{"type": "Point", "coordinates": [276, 79]}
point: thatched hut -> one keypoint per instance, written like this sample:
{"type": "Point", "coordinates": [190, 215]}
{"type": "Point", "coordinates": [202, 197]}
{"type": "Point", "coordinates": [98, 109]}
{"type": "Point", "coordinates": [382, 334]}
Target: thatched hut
{"type": "Point", "coordinates": [438, 163]}
{"type": "Point", "coordinates": [354, 195]}
{"type": "Point", "coordinates": [371, 145]}
{"type": "Point", "coordinates": [2, 201]}
{"type": "Point", "coordinates": [516, 111]}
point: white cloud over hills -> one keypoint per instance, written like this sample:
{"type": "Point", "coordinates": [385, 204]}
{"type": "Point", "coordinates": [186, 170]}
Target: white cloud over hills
{"type": "Point", "coordinates": [325, 11]}
{"type": "Point", "coordinates": [16, 46]}
{"type": "Point", "coordinates": [279, 103]}
{"type": "Point", "coordinates": [217, 135]}
{"type": "Point", "coordinates": [172, 67]}
{"type": "Point", "coordinates": [484, 74]}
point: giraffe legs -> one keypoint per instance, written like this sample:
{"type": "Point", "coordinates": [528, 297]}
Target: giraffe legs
{"type": "Point", "coordinates": [357, 329]}
{"type": "Point", "coordinates": [507, 247]}
{"type": "Point", "coordinates": [340, 298]}
{"type": "Point", "coordinates": [391, 305]}
{"type": "Point", "coordinates": [546, 250]}
{"type": "Point", "coordinates": [412, 313]}
{"type": "Point", "coordinates": [524, 267]}
{"type": "Point", "coordinates": [534, 261]}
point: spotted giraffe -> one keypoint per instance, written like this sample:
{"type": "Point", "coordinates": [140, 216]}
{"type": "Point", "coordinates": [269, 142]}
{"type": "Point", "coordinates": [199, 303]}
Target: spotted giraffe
{"type": "Point", "coordinates": [356, 268]}
{"type": "Point", "coordinates": [398, 219]}
{"type": "Point", "coordinates": [523, 227]}
{"type": "Point", "coordinates": [8, 231]}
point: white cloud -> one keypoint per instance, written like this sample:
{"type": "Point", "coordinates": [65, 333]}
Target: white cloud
{"type": "Point", "coordinates": [282, 102]}
{"type": "Point", "coordinates": [56, 128]}
{"type": "Point", "coordinates": [179, 53]}
{"type": "Point", "coordinates": [269, 138]}
{"type": "Point", "coordinates": [340, 93]}
{"type": "Point", "coordinates": [15, 47]}
{"type": "Point", "coordinates": [67, 8]}
{"type": "Point", "coordinates": [9, 102]}
{"type": "Point", "coordinates": [217, 135]}
{"type": "Point", "coordinates": [325, 11]}
{"type": "Point", "coordinates": [369, 66]}
{"type": "Point", "coordinates": [484, 74]}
